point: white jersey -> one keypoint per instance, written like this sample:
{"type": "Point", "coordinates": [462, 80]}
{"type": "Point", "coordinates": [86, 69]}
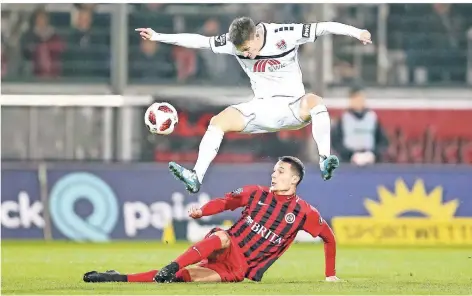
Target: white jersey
{"type": "Point", "coordinates": [276, 70]}
{"type": "Point", "coordinates": [275, 73]}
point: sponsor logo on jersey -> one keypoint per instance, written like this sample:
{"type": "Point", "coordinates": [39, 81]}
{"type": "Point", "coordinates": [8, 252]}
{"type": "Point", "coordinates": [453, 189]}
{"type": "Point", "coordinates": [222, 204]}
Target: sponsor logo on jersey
{"type": "Point", "coordinates": [220, 40]}
{"type": "Point", "coordinates": [306, 30]}
{"type": "Point", "coordinates": [269, 65]}
{"type": "Point", "coordinates": [282, 45]}
{"type": "Point", "coordinates": [259, 229]}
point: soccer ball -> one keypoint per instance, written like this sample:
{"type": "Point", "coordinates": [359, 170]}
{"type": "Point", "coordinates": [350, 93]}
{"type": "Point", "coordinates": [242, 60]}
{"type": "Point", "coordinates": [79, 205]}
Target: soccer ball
{"type": "Point", "coordinates": [161, 118]}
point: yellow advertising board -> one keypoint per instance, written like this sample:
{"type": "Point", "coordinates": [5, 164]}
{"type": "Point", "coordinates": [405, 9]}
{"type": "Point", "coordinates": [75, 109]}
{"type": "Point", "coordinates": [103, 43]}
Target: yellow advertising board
{"type": "Point", "coordinates": [387, 226]}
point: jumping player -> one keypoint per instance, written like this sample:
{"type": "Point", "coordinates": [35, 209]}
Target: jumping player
{"type": "Point", "coordinates": [269, 223]}
{"type": "Point", "coordinates": [268, 53]}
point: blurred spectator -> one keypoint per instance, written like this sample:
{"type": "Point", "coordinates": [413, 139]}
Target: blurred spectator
{"type": "Point", "coordinates": [4, 61]}
{"type": "Point", "coordinates": [448, 59]}
{"type": "Point", "coordinates": [152, 7]}
{"type": "Point", "coordinates": [88, 54]}
{"type": "Point", "coordinates": [151, 62]}
{"type": "Point", "coordinates": [344, 71]}
{"type": "Point", "coordinates": [43, 47]}
{"type": "Point", "coordinates": [86, 6]}
{"type": "Point", "coordinates": [358, 136]}
{"type": "Point", "coordinates": [186, 62]}
{"type": "Point", "coordinates": [436, 42]}
{"type": "Point", "coordinates": [214, 65]}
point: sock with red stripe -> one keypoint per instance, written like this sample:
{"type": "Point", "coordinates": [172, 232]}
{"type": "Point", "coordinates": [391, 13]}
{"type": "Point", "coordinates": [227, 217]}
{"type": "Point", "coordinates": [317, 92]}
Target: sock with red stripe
{"type": "Point", "coordinates": [144, 277]}
{"type": "Point", "coordinates": [199, 251]}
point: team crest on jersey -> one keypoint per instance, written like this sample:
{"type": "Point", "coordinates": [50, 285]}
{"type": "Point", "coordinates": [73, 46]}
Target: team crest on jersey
{"type": "Point", "coordinates": [237, 192]}
{"type": "Point", "coordinates": [282, 45]}
{"type": "Point", "coordinates": [290, 218]}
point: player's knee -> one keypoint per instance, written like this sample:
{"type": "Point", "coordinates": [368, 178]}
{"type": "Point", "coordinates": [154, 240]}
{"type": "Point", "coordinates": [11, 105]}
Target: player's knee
{"type": "Point", "coordinates": [228, 120]}
{"type": "Point", "coordinates": [309, 102]}
{"type": "Point", "coordinates": [225, 240]}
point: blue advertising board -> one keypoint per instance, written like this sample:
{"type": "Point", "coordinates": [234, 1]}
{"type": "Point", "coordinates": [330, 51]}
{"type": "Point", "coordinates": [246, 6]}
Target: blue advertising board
{"type": "Point", "coordinates": [101, 202]}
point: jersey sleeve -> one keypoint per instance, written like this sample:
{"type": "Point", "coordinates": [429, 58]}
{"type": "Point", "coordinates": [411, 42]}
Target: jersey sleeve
{"type": "Point", "coordinates": [221, 44]}
{"type": "Point", "coordinates": [238, 198]}
{"type": "Point", "coordinates": [316, 226]}
{"type": "Point", "coordinates": [314, 222]}
{"type": "Point", "coordinates": [304, 33]}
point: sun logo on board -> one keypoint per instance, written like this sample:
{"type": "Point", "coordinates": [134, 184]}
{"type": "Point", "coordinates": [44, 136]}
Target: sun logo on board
{"type": "Point", "coordinates": [402, 201]}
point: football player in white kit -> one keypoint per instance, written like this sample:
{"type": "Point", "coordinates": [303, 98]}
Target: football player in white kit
{"type": "Point", "coordinates": [268, 53]}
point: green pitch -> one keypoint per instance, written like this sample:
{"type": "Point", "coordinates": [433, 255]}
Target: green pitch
{"type": "Point", "coordinates": [57, 268]}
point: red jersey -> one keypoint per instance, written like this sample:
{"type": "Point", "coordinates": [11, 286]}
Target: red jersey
{"type": "Point", "coordinates": [269, 224]}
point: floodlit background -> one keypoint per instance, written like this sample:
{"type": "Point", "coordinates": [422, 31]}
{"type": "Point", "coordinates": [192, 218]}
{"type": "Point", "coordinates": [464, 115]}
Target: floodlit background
{"type": "Point", "coordinates": [78, 163]}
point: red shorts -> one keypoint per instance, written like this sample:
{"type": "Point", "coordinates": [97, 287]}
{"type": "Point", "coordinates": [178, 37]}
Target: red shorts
{"type": "Point", "coordinates": [229, 263]}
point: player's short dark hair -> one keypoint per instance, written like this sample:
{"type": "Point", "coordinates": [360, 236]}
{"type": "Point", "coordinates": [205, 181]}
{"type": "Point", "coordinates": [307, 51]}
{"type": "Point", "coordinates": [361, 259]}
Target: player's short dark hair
{"type": "Point", "coordinates": [241, 30]}
{"type": "Point", "coordinates": [297, 165]}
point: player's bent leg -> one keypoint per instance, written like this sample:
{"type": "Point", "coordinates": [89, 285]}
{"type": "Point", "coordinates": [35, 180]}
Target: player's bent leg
{"type": "Point", "coordinates": [202, 250]}
{"type": "Point", "coordinates": [312, 107]}
{"type": "Point", "coordinates": [201, 274]}
{"type": "Point", "coordinates": [228, 120]}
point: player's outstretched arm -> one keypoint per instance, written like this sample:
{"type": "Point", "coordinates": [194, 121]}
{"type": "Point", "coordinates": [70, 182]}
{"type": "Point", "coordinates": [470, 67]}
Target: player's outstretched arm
{"type": "Point", "coordinates": [316, 226]}
{"type": "Point", "coordinates": [324, 28]}
{"type": "Point", "coordinates": [232, 200]}
{"type": "Point", "coordinates": [211, 208]}
{"type": "Point", "coordinates": [329, 240]}
{"type": "Point", "coordinates": [184, 40]}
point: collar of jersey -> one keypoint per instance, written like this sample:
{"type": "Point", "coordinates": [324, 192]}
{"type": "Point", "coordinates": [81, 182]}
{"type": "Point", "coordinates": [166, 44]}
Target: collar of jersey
{"type": "Point", "coordinates": [265, 35]}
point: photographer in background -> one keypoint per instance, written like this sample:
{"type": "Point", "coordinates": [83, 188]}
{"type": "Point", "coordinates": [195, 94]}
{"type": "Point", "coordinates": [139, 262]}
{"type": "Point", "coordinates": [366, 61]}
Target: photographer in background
{"type": "Point", "coordinates": [358, 136]}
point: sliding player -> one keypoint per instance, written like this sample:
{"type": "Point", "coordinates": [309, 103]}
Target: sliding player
{"type": "Point", "coordinates": [269, 223]}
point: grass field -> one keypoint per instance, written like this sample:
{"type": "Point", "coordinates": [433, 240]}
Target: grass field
{"type": "Point", "coordinates": [57, 268]}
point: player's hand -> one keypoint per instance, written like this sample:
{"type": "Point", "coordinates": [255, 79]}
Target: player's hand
{"type": "Point", "coordinates": [366, 37]}
{"type": "Point", "coordinates": [333, 279]}
{"type": "Point", "coordinates": [195, 213]}
{"type": "Point", "coordinates": [146, 33]}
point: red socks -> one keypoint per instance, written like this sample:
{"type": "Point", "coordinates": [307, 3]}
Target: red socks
{"type": "Point", "coordinates": [183, 276]}
{"type": "Point", "coordinates": [194, 254]}
{"type": "Point", "coordinates": [199, 251]}
{"type": "Point", "coordinates": [148, 277]}
{"type": "Point", "coordinates": [145, 277]}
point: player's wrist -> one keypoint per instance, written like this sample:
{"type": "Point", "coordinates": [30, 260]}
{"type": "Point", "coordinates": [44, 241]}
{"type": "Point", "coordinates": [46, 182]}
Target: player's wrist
{"type": "Point", "coordinates": [155, 36]}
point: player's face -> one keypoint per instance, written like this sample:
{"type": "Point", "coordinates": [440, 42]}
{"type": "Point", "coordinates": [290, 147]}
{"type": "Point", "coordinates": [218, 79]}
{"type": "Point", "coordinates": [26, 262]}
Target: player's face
{"type": "Point", "coordinates": [357, 102]}
{"type": "Point", "coordinates": [283, 178]}
{"type": "Point", "coordinates": [251, 48]}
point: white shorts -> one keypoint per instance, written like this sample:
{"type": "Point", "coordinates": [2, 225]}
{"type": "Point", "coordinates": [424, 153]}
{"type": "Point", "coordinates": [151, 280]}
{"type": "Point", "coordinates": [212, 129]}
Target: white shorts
{"type": "Point", "coordinates": [271, 114]}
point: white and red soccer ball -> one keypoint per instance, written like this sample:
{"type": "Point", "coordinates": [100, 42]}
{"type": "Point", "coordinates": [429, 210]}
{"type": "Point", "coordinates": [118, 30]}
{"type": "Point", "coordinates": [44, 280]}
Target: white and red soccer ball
{"type": "Point", "coordinates": [161, 118]}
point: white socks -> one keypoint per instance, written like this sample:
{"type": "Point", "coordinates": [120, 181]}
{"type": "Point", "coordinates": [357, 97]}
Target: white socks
{"type": "Point", "coordinates": [321, 129]}
{"type": "Point", "coordinates": [209, 147]}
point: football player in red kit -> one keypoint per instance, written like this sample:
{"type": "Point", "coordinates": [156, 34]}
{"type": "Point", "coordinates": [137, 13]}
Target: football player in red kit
{"type": "Point", "coordinates": [269, 223]}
